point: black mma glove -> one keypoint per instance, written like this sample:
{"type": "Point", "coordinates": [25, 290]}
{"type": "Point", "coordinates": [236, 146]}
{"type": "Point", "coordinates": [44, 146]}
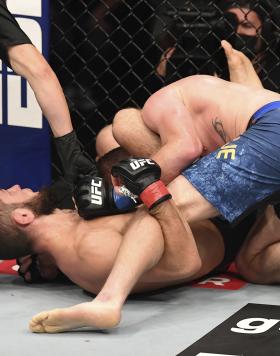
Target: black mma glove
{"type": "Point", "coordinates": [277, 210]}
{"type": "Point", "coordinates": [35, 276]}
{"type": "Point", "coordinates": [32, 271]}
{"type": "Point", "coordinates": [94, 197]}
{"type": "Point", "coordinates": [142, 177]}
{"type": "Point", "coordinates": [74, 162]}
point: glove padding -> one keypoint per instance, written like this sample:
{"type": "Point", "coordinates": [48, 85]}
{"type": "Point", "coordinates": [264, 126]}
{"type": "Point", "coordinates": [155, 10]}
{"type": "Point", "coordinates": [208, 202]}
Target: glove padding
{"type": "Point", "coordinates": [38, 269]}
{"type": "Point", "coordinates": [74, 162]}
{"type": "Point", "coordinates": [32, 271]}
{"type": "Point", "coordinates": [94, 197]}
{"type": "Point", "coordinates": [142, 177]}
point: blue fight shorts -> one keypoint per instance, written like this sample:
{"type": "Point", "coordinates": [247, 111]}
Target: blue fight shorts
{"type": "Point", "coordinates": [244, 173]}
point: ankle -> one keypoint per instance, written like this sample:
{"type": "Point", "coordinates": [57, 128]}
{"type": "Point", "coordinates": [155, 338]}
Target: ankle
{"type": "Point", "coordinates": [110, 299]}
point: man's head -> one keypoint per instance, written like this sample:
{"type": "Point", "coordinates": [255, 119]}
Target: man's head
{"type": "Point", "coordinates": [106, 162]}
{"type": "Point", "coordinates": [18, 210]}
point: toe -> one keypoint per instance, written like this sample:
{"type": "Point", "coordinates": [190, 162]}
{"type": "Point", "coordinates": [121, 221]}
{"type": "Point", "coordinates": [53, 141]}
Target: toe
{"type": "Point", "coordinates": [36, 325]}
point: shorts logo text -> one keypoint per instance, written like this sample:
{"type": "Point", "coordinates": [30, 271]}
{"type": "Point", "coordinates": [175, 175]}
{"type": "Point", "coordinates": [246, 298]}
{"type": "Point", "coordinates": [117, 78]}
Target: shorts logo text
{"type": "Point", "coordinates": [227, 151]}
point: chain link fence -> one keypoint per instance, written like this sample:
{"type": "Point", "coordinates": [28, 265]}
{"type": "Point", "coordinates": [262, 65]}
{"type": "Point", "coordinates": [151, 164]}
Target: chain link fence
{"type": "Point", "coordinates": [112, 54]}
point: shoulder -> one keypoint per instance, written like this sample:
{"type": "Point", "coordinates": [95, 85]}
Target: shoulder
{"type": "Point", "coordinates": [96, 242]}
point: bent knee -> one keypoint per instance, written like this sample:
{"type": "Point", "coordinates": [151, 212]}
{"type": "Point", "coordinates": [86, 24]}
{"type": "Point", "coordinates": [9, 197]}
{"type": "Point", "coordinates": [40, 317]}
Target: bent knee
{"type": "Point", "coordinates": [251, 273]}
{"type": "Point", "coordinates": [190, 270]}
{"type": "Point", "coordinates": [124, 123]}
{"type": "Point", "coordinates": [124, 117]}
{"type": "Point", "coordinates": [105, 141]}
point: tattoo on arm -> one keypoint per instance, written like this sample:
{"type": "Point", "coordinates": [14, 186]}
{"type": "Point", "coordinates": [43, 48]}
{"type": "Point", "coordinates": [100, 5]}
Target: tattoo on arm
{"type": "Point", "coordinates": [218, 127]}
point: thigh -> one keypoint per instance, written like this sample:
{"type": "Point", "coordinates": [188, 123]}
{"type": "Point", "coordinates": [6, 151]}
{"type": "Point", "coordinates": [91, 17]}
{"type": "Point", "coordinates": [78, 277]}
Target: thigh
{"type": "Point", "coordinates": [210, 245]}
{"type": "Point", "coordinates": [190, 201]}
{"type": "Point", "coordinates": [241, 175]}
{"type": "Point", "coordinates": [259, 258]}
{"type": "Point", "coordinates": [132, 134]}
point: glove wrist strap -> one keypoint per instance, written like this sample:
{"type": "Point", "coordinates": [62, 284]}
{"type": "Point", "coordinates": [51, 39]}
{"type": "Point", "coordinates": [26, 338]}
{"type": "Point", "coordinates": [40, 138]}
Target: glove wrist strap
{"type": "Point", "coordinates": [155, 194]}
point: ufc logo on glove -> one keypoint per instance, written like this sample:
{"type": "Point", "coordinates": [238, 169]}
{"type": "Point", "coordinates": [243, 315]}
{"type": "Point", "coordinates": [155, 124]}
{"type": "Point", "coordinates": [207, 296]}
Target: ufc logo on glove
{"type": "Point", "coordinates": [96, 194]}
{"type": "Point", "coordinates": [137, 163]}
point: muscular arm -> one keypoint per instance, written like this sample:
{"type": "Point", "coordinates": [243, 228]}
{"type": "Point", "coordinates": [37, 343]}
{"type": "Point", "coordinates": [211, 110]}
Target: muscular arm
{"type": "Point", "coordinates": [259, 259]}
{"type": "Point", "coordinates": [180, 258]}
{"type": "Point", "coordinates": [140, 251]}
{"type": "Point", "coordinates": [143, 250]}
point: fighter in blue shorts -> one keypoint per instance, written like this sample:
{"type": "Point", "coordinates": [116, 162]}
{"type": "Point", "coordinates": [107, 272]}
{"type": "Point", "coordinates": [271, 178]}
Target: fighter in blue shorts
{"type": "Point", "coordinates": [223, 137]}
{"type": "Point", "coordinates": [245, 171]}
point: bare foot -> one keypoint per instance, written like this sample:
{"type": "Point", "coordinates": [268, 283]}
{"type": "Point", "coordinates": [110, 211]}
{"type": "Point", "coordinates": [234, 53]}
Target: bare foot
{"type": "Point", "coordinates": [240, 67]}
{"type": "Point", "coordinates": [100, 315]}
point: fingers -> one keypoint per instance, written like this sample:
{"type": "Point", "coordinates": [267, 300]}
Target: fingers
{"type": "Point", "coordinates": [24, 266]}
{"type": "Point", "coordinates": [24, 262]}
{"type": "Point", "coordinates": [37, 269]}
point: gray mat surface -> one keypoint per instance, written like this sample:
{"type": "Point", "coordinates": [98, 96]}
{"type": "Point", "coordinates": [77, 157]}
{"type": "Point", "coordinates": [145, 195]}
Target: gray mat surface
{"type": "Point", "coordinates": [157, 324]}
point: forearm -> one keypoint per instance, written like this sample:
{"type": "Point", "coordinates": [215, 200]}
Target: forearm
{"type": "Point", "coordinates": [28, 62]}
{"type": "Point", "coordinates": [180, 257]}
{"type": "Point", "coordinates": [51, 99]}
{"type": "Point", "coordinates": [140, 250]}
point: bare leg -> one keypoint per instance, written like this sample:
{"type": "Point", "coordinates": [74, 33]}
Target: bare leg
{"type": "Point", "coordinates": [240, 67]}
{"type": "Point", "coordinates": [259, 259]}
{"type": "Point", "coordinates": [105, 141]}
{"type": "Point", "coordinates": [132, 134]}
{"type": "Point", "coordinates": [190, 202]}
{"type": "Point", "coordinates": [96, 314]}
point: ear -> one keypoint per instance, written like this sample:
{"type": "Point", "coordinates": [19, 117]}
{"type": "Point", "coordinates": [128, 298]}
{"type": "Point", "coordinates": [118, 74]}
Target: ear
{"type": "Point", "coordinates": [23, 216]}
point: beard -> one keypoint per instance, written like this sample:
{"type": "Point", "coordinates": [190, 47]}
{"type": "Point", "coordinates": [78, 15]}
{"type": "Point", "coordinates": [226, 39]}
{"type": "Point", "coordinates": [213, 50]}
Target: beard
{"type": "Point", "coordinates": [57, 196]}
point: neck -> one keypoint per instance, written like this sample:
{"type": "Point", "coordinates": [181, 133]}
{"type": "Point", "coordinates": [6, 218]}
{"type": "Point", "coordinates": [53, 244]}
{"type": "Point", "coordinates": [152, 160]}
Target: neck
{"type": "Point", "coordinates": [50, 233]}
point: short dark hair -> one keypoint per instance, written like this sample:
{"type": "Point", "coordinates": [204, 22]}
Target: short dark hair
{"type": "Point", "coordinates": [14, 242]}
{"type": "Point", "coordinates": [106, 162]}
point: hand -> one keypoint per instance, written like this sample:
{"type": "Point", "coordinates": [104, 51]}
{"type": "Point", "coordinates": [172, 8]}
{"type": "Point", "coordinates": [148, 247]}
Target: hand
{"type": "Point", "coordinates": [93, 197]}
{"type": "Point", "coordinates": [141, 176]}
{"type": "Point", "coordinates": [74, 162]}
{"type": "Point", "coordinates": [37, 268]}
